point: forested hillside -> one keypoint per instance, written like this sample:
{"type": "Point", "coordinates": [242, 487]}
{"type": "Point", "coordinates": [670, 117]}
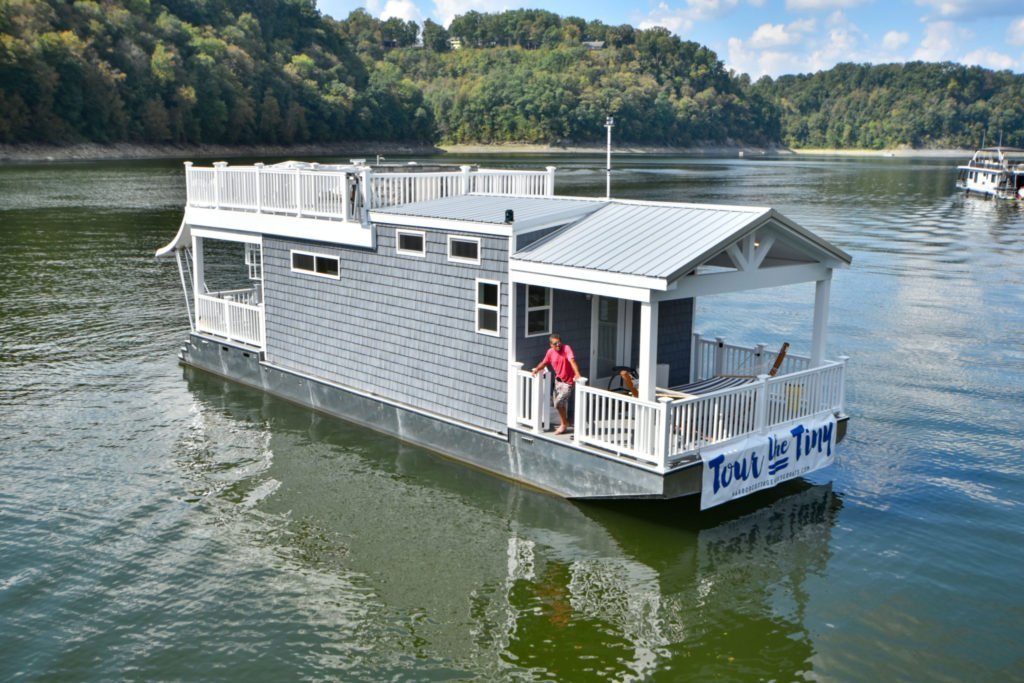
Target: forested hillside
{"type": "Point", "coordinates": [915, 104]}
{"type": "Point", "coordinates": [278, 72]}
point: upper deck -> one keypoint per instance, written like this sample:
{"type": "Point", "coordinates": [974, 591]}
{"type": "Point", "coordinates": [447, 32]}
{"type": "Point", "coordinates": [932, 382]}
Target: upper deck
{"type": "Point", "coordinates": [331, 202]}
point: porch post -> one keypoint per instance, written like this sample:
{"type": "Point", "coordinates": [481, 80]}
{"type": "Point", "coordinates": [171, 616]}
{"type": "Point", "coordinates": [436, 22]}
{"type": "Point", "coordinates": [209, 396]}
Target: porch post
{"type": "Point", "coordinates": [820, 332]}
{"type": "Point", "coordinates": [648, 349]}
{"type": "Point", "coordinates": [199, 278]}
{"type": "Point", "coordinates": [512, 393]}
{"type": "Point", "coordinates": [514, 399]}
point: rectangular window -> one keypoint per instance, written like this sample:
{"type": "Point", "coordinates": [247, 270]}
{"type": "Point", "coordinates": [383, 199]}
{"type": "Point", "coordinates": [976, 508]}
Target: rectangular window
{"type": "Point", "coordinates": [464, 249]}
{"type": "Point", "coordinates": [488, 306]}
{"type": "Point", "coordinates": [538, 311]}
{"type": "Point", "coordinates": [254, 260]}
{"type": "Point", "coordinates": [410, 243]}
{"type": "Point", "coordinates": [316, 264]}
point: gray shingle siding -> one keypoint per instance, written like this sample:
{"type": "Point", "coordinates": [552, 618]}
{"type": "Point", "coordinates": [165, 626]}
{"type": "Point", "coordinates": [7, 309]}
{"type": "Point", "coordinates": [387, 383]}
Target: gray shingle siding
{"type": "Point", "coordinates": [675, 335]}
{"type": "Point", "coordinates": [400, 327]}
{"type": "Point", "coordinates": [571, 319]}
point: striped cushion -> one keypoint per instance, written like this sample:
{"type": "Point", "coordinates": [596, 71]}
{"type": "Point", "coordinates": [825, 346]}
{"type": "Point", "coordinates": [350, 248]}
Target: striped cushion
{"type": "Point", "coordinates": [706, 386]}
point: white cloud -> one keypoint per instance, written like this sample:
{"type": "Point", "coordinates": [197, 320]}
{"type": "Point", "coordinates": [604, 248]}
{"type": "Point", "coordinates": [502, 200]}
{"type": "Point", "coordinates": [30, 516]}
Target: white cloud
{"type": "Point", "coordinates": [798, 5]}
{"type": "Point", "coordinates": [894, 40]}
{"type": "Point", "coordinates": [403, 9]}
{"type": "Point", "coordinates": [680, 20]}
{"type": "Point", "coordinates": [989, 58]}
{"type": "Point", "coordinates": [775, 49]}
{"type": "Point", "coordinates": [675, 20]}
{"type": "Point", "coordinates": [972, 8]}
{"type": "Point", "coordinates": [1015, 34]}
{"type": "Point", "coordinates": [446, 10]}
{"type": "Point", "coordinates": [778, 35]}
{"type": "Point", "coordinates": [940, 38]}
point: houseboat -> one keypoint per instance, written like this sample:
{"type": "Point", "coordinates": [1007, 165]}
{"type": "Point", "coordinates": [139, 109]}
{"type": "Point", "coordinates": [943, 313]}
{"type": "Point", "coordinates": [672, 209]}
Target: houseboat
{"type": "Point", "coordinates": [417, 300]}
{"type": "Point", "coordinates": [995, 172]}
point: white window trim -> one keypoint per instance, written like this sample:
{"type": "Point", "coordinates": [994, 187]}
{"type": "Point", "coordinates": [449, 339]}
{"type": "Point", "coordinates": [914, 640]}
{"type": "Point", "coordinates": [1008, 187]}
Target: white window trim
{"type": "Point", "coordinates": [315, 255]}
{"type": "Point", "coordinates": [550, 308]}
{"type": "Point", "coordinates": [254, 260]}
{"type": "Point", "coordinates": [409, 252]}
{"type": "Point", "coordinates": [459, 259]}
{"type": "Point", "coordinates": [477, 306]}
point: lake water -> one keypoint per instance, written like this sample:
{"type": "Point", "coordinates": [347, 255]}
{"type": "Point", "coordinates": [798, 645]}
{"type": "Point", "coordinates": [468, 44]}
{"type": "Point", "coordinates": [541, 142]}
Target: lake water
{"type": "Point", "coordinates": [159, 523]}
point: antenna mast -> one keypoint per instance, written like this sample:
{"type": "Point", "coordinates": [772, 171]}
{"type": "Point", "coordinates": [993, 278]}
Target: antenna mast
{"type": "Point", "coordinates": [609, 123]}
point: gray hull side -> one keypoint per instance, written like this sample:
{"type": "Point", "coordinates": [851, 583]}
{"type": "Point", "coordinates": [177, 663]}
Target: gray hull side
{"type": "Point", "coordinates": [524, 457]}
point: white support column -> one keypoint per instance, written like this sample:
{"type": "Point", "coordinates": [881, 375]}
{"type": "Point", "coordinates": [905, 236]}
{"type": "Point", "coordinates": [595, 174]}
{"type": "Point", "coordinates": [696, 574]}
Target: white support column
{"type": "Point", "coordinates": [512, 395]}
{"type": "Point", "coordinates": [761, 405]}
{"type": "Point", "coordinates": [514, 399]}
{"type": "Point", "coordinates": [259, 187]}
{"type": "Point", "coordinates": [367, 195]}
{"type": "Point", "coordinates": [199, 283]}
{"type": "Point", "coordinates": [188, 183]}
{"type": "Point", "coordinates": [819, 335]}
{"type": "Point", "coordinates": [579, 418]}
{"type": "Point", "coordinates": [648, 349]}
{"type": "Point", "coordinates": [695, 357]}
{"type": "Point", "coordinates": [464, 179]}
{"type": "Point", "coordinates": [549, 184]}
{"type": "Point", "coordinates": [218, 166]}
{"type": "Point", "coordinates": [537, 399]}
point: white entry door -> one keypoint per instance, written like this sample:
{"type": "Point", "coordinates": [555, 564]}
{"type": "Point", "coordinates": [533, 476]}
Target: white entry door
{"type": "Point", "coordinates": [611, 335]}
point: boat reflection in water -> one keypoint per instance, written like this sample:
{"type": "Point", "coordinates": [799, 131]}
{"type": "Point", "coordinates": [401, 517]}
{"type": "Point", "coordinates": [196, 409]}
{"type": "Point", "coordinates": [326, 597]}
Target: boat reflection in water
{"type": "Point", "coordinates": [402, 561]}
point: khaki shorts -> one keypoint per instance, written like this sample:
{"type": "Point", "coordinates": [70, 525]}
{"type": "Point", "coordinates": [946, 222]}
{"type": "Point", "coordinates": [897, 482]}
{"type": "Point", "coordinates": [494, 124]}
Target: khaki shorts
{"type": "Point", "coordinates": [563, 392]}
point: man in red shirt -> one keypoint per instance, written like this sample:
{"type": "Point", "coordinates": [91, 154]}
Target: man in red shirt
{"type": "Point", "coordinates": [562, 360]}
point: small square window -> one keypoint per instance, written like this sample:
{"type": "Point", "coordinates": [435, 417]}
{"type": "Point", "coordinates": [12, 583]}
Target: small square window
{"type": "Point", "coordinates": [464, 249]}
{"type": "Point", "coordinates": [410, 243]}
{"type": "Point", "coordinates": [303, 261]}
{"type": "Point", "coordinates": [326, 265]}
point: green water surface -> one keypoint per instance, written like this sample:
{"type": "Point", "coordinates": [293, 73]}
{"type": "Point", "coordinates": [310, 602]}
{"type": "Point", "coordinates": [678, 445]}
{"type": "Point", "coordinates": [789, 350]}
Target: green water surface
{"type": "Point", "coordinates": [158, 523]}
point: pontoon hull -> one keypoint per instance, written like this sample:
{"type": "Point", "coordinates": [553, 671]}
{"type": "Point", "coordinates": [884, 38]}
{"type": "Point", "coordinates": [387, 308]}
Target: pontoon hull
{"type": "Point", "coordinates": [531, 459]}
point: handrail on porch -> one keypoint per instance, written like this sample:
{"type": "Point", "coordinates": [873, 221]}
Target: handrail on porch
{"type": "Point", "coordinates": [658, 433]}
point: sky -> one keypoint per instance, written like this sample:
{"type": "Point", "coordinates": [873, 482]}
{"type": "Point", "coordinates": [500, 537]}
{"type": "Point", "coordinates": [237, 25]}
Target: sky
{"type": "Point", "coordinates": [777, 37]}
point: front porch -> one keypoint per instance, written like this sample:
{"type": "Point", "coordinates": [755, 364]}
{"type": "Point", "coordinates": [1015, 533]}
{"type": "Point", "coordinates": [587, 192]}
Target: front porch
{"type": "Point", "coordinates": [622, 286]}
{"type": "Point", "coordinates": [673, 429]}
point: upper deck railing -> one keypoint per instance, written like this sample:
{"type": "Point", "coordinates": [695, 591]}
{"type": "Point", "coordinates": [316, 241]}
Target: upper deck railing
{"type": "Point", "coordinates": [345, 192]}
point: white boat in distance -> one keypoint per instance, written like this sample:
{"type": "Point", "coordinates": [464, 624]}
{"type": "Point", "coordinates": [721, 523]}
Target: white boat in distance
{"type": "Point", "coordinates": [994, 171]}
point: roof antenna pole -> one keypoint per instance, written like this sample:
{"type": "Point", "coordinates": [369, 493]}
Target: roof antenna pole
{"type": "Point", "coordinates": [609, 123]}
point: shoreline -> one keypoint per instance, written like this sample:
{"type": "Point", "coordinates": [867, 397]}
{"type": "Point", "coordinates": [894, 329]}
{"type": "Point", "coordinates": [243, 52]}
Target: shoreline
{"type": "Point", "coordinates": [125, 151]}
{"type": "Point", "coordinates": [906, 153]}
{"type": "Point", "coordinates": [32, 153]}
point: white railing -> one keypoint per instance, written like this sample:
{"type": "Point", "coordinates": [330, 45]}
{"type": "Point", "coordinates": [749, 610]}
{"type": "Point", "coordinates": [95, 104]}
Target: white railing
{"type": "Point", "coordinates": [658, 433]}
{"type": "Point", "coordinates": [529, 183]}
{"type": "Point", "coordinates": [619, 423]}
{"type": "Point", "coordinates": [806, 393]}
{"type": "Point", "coordinates": [530, 398]}
{"type": "Point", "coordinates": [224, 317]}
{"type": "Point", "coordinates": [392, 189]}
{"type": "Point", "coordinates": [333, 194]}
{"type": "Point", "coordinates": [714, 358]}
{"type": "Point", "coordinates": [713, 418]}
{"type": "Point", "coordinates": [751, 408]}
{"type": "Point", "coordinates": [328, 194]}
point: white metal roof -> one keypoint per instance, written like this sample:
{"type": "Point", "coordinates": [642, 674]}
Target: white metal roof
{"type": "Point", "coordinates": [479, 208]}
{"type": "Point", "coordinates": [657, 240]}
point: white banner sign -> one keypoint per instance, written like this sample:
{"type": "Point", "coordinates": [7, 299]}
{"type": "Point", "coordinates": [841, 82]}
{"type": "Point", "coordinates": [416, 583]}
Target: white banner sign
{"type": "Point", "coordinates": [760, 462]}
